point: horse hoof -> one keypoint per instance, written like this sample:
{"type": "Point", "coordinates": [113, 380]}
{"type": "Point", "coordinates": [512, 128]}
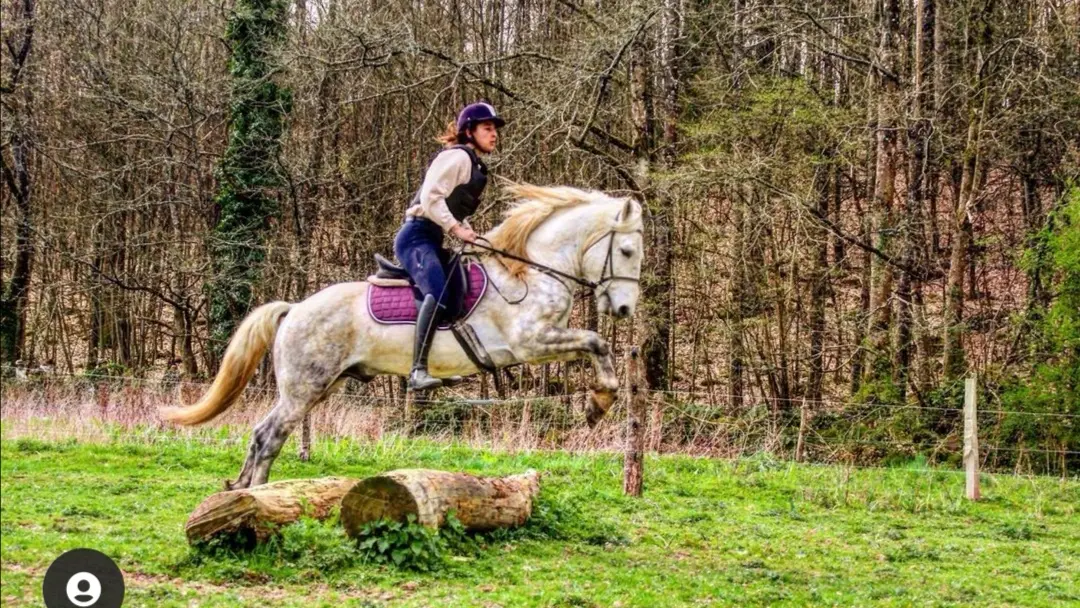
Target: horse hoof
{"type": "Point", "coordinates": [599, 403]}
{"type": "Point", "coordinates": [602, 399]}
{"type": "Point", "coordinates": [592, 417]}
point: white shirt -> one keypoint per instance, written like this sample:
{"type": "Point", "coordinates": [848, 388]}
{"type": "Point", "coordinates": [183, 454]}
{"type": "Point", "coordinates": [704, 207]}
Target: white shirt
{"type": "Point", "coordinates": [450, 169]}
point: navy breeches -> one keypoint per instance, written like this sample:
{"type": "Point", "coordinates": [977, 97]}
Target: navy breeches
{"type": "Point", "coordinates": [419, 248]}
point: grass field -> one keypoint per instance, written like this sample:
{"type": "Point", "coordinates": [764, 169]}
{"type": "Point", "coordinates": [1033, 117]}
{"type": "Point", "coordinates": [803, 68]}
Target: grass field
{"type": "Point", "coordinates": [748, 532]}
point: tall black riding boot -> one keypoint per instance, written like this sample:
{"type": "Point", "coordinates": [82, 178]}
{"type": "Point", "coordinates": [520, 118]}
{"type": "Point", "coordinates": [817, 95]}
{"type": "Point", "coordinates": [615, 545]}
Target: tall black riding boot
{"type": "Point", "coordinates": [426, 322]}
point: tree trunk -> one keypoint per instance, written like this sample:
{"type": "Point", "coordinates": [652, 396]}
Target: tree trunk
{"type": "Point", "coordinates": [182, 325]}
{"type": "Point", "coordinates": [884, 190]}
{"type": "Point", "coordinates": [255, 514]}
{"type": "Point", "coordinates": [1038, 295]}
{"type": "Point", "coordinates": [739, 291]}
{"type": "Point", "coordinates": [305, 218]}
{"type": "Point", "coordinates": [95, 292]}
{"type": "Point", "coordinates": [479, 503]}
{"type": "Point", "coordinates": [859, 358]}
{"type": "Point", "coordinates": [970, 171]}
{"type": "Point", "coordinates": [14, 296]}
{"type": "Point", "coordinates": [819, 288]}
{"type": "Point", "coordinates": [656, 284]}
{"type": "Point", "coordinates": [918, 142]}
{"type": "Point", "coordinates": [954, 288]}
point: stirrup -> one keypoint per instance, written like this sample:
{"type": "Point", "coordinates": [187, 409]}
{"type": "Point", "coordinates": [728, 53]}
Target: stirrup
{"type": "Point", "coordinates": [421, 380]}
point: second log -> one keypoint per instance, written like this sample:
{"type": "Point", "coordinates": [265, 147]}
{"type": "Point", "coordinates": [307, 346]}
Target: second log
{"type": "Point", "coordinates": [479, 503]}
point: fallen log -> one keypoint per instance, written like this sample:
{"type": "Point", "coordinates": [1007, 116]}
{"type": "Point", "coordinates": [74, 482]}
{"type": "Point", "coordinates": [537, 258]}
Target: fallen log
{"type": "Point", "coordinates": [255, 514]}
{"type": "Point", "coordinates": [479, 503]}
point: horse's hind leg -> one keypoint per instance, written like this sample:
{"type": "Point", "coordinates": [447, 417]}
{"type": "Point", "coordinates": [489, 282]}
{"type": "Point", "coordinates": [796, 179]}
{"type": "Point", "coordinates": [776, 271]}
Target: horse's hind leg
{"type": "Point", "coordinates": [280, 422]}
{"type": "Point", "coordinates": [258, 440]}
{"type": "Point", "coordinates": [261, 437]}
{"type": "Point", "coordinates": [270, 434]}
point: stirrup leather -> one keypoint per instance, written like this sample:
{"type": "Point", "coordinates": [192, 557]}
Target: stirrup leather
{"type": "Point", "coordinates": [471, 344]}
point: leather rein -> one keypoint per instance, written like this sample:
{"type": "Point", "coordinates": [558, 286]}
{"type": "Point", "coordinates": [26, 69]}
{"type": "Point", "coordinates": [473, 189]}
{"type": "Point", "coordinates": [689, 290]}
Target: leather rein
{"type": "Point", "coordinates": [607, 275]}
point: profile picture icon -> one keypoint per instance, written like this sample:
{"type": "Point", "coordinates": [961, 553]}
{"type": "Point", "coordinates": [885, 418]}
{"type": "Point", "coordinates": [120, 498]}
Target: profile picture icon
{"type": "Point", "coordinates": [83, 589]}
{"type": "Point", "coordinates": [83, 578]}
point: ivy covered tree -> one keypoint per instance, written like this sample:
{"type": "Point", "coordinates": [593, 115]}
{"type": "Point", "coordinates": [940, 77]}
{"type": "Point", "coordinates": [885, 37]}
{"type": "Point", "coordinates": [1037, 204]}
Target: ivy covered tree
{"type": "Point", "coordinates": [248, 174]}
{"type": "Point", "coordinates": [18, 135]}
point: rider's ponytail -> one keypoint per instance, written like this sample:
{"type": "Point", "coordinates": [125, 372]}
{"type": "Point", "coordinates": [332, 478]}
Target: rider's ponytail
{"type": "Point", "coordinates": [451, 136]}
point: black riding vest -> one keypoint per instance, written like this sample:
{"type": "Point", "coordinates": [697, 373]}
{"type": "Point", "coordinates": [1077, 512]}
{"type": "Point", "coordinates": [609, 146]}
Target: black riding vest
{"type": "Point", "coordinates": [464, 199]}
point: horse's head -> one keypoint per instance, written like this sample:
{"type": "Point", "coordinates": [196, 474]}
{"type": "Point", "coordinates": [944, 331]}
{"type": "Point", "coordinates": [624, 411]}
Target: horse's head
{"type": "Point", "coordinates": [612, 259]}
{"type": "Point", "coordinates": [595, 237]}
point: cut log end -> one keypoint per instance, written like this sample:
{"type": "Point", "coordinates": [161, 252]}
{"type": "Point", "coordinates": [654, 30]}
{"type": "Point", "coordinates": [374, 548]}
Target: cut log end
{"type": "Point", "coordinates": [254, 514]}
{"type": "Point", "coordinates": [376, 498]}
{"type": "Point", "coordinates": [479, 503]}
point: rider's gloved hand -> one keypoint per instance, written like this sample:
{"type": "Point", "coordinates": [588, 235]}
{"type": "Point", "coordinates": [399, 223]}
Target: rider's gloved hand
{"type": "Point", "coordinates": [463, 232]}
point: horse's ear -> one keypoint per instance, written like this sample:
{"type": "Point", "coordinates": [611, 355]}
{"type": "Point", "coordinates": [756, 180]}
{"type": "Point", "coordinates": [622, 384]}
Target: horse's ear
{"type": "Point", "coordinates": [628, 210]}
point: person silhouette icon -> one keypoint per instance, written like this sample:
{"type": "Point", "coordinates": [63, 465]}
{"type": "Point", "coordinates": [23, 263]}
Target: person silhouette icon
{"type": "Point", "coordinates": [83, 589]}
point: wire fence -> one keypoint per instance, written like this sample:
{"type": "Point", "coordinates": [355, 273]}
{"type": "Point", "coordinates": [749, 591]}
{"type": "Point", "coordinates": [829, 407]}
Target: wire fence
{"type": "Point", "coordinates": [112, 408]}
{"type": "Point", "coordinates": [172, 383]}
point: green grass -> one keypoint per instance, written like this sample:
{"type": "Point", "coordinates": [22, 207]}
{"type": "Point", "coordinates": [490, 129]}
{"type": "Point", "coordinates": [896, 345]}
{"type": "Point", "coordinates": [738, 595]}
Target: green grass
{"type": "Point", "coordinates": [750, 532]}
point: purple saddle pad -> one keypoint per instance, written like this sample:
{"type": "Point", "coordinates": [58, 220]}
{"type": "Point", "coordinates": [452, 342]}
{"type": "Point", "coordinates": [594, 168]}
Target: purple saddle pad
{"type": "Point", "coordinates": [396, 306]}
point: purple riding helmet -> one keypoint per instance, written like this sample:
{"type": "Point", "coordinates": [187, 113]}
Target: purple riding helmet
{"type": "Point", "coordinates": [476, 113]}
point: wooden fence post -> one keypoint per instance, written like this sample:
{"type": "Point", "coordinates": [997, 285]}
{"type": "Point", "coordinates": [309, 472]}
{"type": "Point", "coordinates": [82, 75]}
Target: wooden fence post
{"type": "Point", "coordinates": [800, 442]}
{"type": "Point", "coordinates": [305, 438]}
{"type": "Point", "coordinates": [971, 440]}
{"type": "Point", "coordinates": [635, 428]}
{"type": "Point", "coordinates": [408, 414]}
{"type": "Point", "coordinates": [103, 398]}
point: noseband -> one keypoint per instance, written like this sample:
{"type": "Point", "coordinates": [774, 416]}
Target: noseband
{"type": "Point", "coordinates": [607, 275]}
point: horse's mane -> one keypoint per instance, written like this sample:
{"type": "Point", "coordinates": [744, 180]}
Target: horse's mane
{"type": "Point", "coordinates": [535, 204]}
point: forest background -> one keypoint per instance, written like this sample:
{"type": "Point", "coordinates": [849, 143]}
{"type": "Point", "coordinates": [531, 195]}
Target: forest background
{"type": "Point", "coordinates": [854, 205]}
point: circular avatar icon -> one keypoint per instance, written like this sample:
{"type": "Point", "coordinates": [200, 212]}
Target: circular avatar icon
{"type": "Point", "coordinates": [83, 578]}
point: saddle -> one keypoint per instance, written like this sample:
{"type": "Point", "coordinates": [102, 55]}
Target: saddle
{"type": "Point", "coordinates": [389, 271]}
{"type": "Point", "coordinates": [394, 300]}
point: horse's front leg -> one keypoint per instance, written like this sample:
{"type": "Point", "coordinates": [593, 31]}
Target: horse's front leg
{"type": "Point", "coordinates": [575, 343]}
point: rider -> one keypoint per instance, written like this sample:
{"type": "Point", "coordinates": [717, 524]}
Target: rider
{"type": "Point", "coordinates": [451, 191]}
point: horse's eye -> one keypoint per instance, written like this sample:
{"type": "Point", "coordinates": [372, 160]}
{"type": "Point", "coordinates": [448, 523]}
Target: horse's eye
{"type": "Point", "coordinates": [626, 250]}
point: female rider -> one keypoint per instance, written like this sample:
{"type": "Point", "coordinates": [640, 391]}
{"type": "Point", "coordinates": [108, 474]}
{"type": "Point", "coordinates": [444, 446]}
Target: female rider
{"type": "Point", "coordinates": [451, 191]}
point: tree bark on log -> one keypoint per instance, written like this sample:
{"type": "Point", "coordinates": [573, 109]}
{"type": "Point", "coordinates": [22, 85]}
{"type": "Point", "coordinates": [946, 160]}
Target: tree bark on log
{"type": "Point", "coordinates": [255, 514]}
{"type": "Point", "coordinates": [479, 503]}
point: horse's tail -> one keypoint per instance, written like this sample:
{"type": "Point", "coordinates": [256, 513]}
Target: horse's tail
{"type": "Point", "coordinates": [246, 349]}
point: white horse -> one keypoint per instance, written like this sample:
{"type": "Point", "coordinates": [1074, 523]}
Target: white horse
{"type": "Point", "coordinates": [587, 236]}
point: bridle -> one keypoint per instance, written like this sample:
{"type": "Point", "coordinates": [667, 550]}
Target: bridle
{"type": "Point", "coordinates": [607, 274]}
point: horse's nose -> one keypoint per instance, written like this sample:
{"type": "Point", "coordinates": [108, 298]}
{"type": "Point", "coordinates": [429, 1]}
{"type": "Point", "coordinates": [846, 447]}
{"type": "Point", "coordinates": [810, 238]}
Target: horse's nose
{"type": "Point", "coordinates": [623, 312]}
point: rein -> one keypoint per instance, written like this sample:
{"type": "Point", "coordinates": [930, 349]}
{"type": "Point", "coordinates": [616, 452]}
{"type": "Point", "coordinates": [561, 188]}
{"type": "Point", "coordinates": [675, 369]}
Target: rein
{"type": "Point", "coordinates": [537, 265]}
{"type": "Point", "coordinates": [605, 277]}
